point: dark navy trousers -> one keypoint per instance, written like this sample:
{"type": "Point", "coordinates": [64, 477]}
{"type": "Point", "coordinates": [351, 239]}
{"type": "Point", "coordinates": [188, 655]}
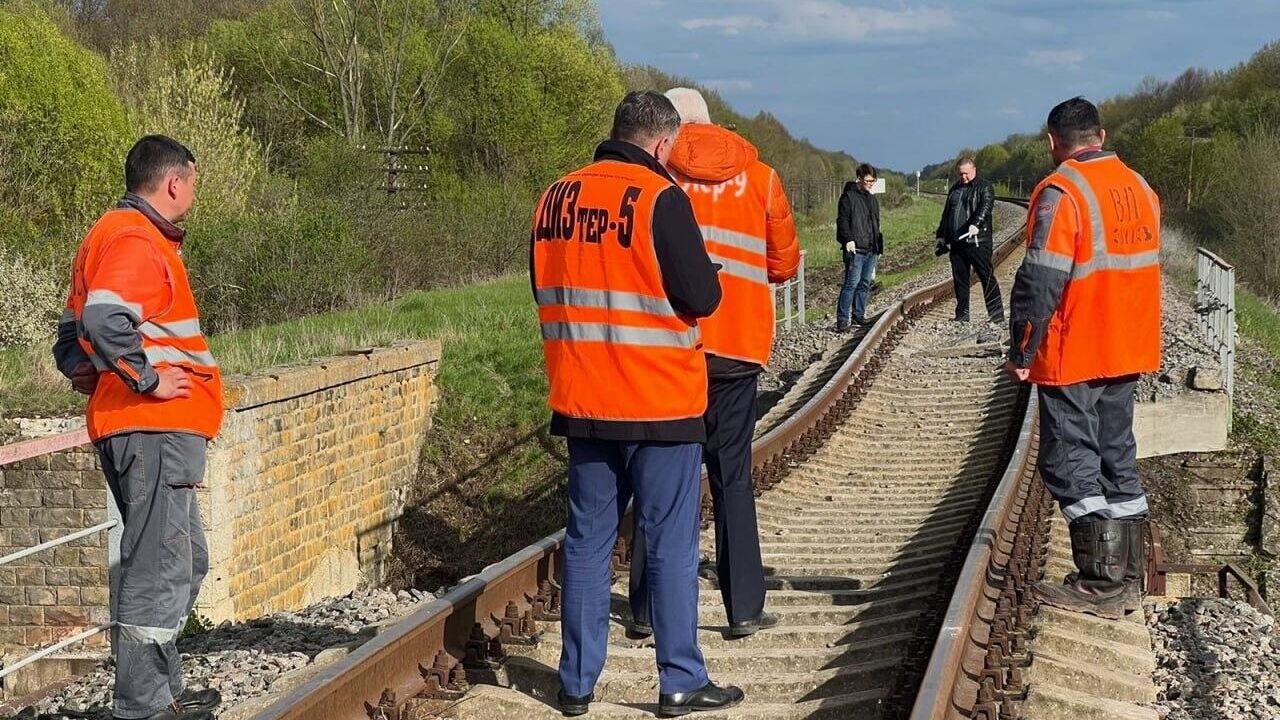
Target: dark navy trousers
{"type": "Point", "coordinates": [731, 421]}
{"type": "Point", "coordinates": [1088, 456]}
{"type": "Point", "coordinates": [664, 479]}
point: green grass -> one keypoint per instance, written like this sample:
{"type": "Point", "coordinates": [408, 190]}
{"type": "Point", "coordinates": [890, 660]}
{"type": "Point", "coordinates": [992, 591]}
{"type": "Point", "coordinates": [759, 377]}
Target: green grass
{"type": "Point", "coordinates": [908, 235]}
{"type": "Point", "coordinates": [1258, 320]}
{"type": "Point", "coordinates": [489, 333]}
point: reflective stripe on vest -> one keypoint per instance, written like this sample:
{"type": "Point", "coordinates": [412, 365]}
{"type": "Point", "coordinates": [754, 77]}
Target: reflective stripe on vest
{"type": "Point", "coordinates": [740, 269]}
{"type": "Point", "coordinates": [619, 334]}
{"type": "Point", "coordinates": [1103, 258]}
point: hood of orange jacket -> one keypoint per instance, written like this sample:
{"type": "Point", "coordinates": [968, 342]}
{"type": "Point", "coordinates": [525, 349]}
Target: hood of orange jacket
{"type": "Point", "coordinates": [710, 153]}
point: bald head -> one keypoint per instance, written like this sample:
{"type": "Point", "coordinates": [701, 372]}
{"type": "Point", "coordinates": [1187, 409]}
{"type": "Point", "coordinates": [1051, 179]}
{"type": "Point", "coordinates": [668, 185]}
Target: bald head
{"type": "Point", "coordinates": [690, 104]}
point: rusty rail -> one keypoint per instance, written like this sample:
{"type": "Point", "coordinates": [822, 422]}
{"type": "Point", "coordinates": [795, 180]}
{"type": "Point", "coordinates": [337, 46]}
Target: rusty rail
{"type": "Point", "coordinates": [975, 670]}
{"type": "Point", "coordinates": [426, 654]}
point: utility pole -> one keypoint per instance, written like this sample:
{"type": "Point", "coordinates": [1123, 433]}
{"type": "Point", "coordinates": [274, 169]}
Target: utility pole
{"type": "Point", "coordinates": [1191, 160]}
{"type": "Point", "coordinates": [917, 183]}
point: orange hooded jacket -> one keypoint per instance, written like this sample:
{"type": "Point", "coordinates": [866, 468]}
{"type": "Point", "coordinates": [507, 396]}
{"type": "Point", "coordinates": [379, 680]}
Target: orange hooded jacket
{"type": "Point", "coordinates": [748, 229]}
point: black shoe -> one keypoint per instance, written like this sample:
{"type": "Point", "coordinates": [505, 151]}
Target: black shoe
{"type": "Point", "coordinates": [863, 322]}
{"type": "Point", "coordinates": [639, 631]}
{"type": "Point", "coordinates": [574, 706]}
{"type": "Point", "coordinates": [960, 319]}
{"type": "Point", "coordinates": [751, 627]}
{"type": "Point", "coordinates": [842, 327]}
{"type": "Point", "coordinates": [709, 697]}
{"type": "Point", "coordinates": [197, 700]}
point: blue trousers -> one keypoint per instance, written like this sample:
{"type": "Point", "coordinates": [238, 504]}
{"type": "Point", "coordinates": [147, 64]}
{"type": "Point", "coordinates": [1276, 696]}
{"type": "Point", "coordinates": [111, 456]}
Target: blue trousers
{"type": "Point", "coordinates": [859, 268]}
{"type": "Point", "coordinates": [665, 480]}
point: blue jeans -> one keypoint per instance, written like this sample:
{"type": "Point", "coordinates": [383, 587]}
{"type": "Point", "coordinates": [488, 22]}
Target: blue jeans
{"type": "Point", "coordinates": [664, 478]}
{"type": "Point", "coordinates": [858, 270]}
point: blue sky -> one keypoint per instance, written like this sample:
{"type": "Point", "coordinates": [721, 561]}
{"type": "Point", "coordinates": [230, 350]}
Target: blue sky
{"type": "Point", "coordinates": [902, 84]}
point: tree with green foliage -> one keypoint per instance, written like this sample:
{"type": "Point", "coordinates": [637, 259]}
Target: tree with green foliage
{"type": "Point", "coordinates": [64, 131]}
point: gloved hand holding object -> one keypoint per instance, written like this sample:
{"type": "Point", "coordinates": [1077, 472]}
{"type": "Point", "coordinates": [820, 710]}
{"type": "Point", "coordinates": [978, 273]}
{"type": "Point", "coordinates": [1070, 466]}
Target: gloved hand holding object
{"type": "Point", "coordinates": [851, 246]}
{"type": "Point", "coordinates": [971, 236]}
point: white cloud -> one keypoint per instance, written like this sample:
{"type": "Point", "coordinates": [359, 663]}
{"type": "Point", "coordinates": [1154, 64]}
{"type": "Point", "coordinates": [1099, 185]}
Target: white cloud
{"type": "Point", "coordinates": [1055, 59]}
{"type": "Point", "coordinates": [829, 20]}
{"type": "Point", "coordinates": [739, 85]}
{"type": "Point", "coordinates": [729, 25]}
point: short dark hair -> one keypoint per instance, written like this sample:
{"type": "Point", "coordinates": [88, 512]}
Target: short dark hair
{"type": "Point", "coordinates": [1076, 122]}
{"type": "Point", "coordinates": [643, 117]}
{"type": "Point", "coordinates": [966, 160]}
{"type": "Point", "coordinates": [866, 169]}
{"type": "Point", "coordinates": [153, 157]}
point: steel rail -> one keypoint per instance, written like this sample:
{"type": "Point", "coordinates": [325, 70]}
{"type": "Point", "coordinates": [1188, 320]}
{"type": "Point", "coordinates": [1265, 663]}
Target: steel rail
{"type": "Point", "coordinates": [975, 669]}
{"type": "Point", "coordinates": [424, 655]}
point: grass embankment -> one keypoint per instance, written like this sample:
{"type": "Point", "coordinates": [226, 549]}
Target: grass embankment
{"type": "Point", "coordinates": [491, 477]}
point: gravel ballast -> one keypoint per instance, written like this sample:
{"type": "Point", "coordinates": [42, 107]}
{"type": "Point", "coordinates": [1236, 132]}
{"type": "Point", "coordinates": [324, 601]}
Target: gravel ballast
{"type": "Point", "coordinates": [243, 660]}
{"type": "Point", "coordinates": [1215, 660]}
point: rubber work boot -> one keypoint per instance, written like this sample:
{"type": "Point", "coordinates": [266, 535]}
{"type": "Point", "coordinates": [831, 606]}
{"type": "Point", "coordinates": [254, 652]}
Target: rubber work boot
{"type": "Point", "coordinates": [1135, 566]}
{"type": "Point", "coordinates": [1098, 548]}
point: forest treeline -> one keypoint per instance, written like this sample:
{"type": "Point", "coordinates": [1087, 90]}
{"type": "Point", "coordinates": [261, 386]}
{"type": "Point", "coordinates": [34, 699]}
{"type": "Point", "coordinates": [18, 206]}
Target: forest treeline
{"type": "Point", "coordinates": [1209, 143]}
{"type": "Point", "coordinates": [349, 150]}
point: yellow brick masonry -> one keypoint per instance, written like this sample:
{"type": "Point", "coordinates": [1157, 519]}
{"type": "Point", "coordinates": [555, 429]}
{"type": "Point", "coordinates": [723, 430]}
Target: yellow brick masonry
{"type": "Point", "coordinates": [301, 495]}
{"type": "Point", "coordinates": [308, 477]}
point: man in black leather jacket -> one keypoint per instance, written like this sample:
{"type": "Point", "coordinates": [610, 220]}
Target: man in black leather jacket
{"type": "Point", "coordinates": [965, 232]}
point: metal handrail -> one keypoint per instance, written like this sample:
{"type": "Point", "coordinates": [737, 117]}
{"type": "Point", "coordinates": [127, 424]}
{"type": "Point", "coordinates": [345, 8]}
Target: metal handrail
{"type": "Point", "coordinates": [27, 450]}
{"type": "Point", "coordinates": [792, 310]}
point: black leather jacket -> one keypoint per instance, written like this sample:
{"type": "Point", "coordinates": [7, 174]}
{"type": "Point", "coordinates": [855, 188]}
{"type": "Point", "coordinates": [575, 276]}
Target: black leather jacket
{"type": "Point", "coordinates": [967, 205]}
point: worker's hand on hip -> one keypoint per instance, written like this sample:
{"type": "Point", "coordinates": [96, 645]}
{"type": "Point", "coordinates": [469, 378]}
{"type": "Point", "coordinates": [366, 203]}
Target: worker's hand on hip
{"type": "Point", "coordinates": [851, 246]}
{"type": "Point", "coordinates": [1017, 374]}
{"type": "Point", "coordinates": [174, 383]}
{"type": "Point", "coordinates": [84, 378]}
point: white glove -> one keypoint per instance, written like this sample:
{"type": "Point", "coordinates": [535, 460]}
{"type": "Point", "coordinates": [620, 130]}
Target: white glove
{"type": "Point", "coordinates": [973, 233]}
{"type": "Point", "coordinates": [851, 246]}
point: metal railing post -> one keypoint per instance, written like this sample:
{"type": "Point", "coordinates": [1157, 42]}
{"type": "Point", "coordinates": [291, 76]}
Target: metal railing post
{"type": "Point", "coordinates": [803, 303]}
{"type": "Point", "coordinates": [786, 289]}
{"type": "Point", "coordinates": [1216, 307]}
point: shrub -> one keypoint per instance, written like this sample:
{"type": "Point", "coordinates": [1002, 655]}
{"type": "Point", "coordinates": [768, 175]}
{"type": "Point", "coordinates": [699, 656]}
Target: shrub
{"type": "Point", "coordinates": [64, 132]}
{"type": "Point", "coordinates": [30, 300]}
{"type": "Point", "coordinates": [281, 261]}
{"type": "Point", "coordinates": [1247, 200]}
{"type": "Point", "coordinates": [187, 96]}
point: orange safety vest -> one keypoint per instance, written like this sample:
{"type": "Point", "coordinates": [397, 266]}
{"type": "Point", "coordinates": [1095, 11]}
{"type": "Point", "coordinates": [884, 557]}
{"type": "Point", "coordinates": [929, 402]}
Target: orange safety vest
{"type": "Point", "coordinates": [615, 348]}
{"type": "Point", "coordinates": [170, 333]}
{"type": "Point", "coordinates": [1107, 324]}
{"type": "Point", "coordinates": [734, 217]}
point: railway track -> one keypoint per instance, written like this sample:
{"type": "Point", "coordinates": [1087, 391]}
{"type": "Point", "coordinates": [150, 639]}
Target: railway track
{"type": "Point", "coordinates": [900, 531]}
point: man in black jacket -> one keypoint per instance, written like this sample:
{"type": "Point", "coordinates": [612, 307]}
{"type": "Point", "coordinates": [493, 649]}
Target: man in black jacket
{"type": "Point", "coordinates": [858, 233]}
{"type": "Point", "coordinates": [965, 231]}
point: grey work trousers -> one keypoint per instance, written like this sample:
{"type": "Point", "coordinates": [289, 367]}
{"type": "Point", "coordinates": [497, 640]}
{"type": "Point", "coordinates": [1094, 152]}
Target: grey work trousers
{"type": "Point", "coordinates": [163, 559]}
{"type": "Point", "coordinates": [1088, 455]}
